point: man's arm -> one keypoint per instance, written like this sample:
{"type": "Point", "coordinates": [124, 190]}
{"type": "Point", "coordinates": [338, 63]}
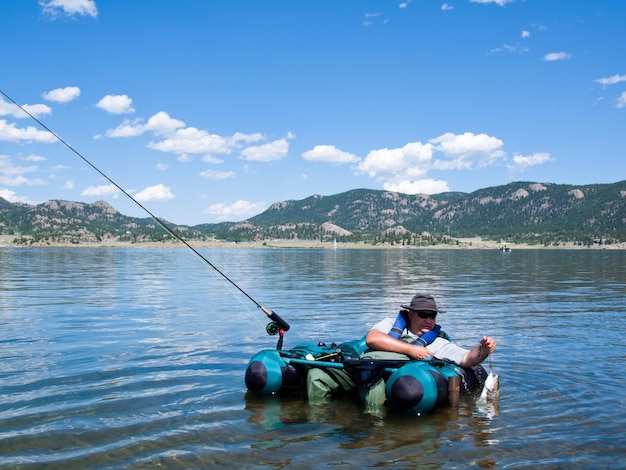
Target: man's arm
{"type": "Point", "coordinates": [475, 356]}
{"type": "Point", "coordinates": [383, 342]}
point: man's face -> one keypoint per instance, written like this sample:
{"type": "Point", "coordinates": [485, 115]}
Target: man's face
{"type": "Point", "coordinates": [421, 321]}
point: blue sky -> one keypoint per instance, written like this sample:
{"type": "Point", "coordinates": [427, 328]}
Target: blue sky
{"type": "Point", "coordinates": [209, 111]}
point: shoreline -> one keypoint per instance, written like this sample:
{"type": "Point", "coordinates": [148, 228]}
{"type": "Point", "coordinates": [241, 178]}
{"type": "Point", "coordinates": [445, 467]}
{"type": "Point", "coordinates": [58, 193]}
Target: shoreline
{"type": "Point", "coordinates": [459, 244]}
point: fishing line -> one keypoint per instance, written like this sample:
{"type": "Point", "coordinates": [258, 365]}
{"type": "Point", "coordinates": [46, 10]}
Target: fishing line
{"type": "Point", "coordinates": [278, 322]}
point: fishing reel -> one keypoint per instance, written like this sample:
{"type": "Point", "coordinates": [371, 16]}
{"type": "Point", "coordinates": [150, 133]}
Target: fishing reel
{"type": "Point", "coordinates": [273, 328]}
{"type": "Point", "coordinates": [278, 326]}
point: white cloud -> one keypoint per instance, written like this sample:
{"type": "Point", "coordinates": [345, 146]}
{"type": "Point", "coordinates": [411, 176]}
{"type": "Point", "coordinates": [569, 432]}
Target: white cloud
{"type": "Point", "coordinates": [369, 18]}
{"type": "Point", "coordinates": [423, 186]}
{"type": "Point", "coordinates": [217, 175]}
{"type": "Point", "coordinates": [192, 140]}
{"type": "Point", "coordinates": [116, 104]}
{"type": "Point", "coordinates": [162, 124]}
{"type": "Point", "coordinates": [34, 158]}
{"type": "Point", "coordinates": [12, 197]}
{"type": "Point", "coordinates": [553, 56]}
{"type": "Point", "coordinates": [522, 163]}
{"type": "Point", "coordinates": [10, 109]}
{"type": "Point", "coordinates": [13, 175]}
{"type": "Point", "coordinates": [162, 166]}
{"type": "Point", "coordinates": [11, 133]}
{"type": "Point", "coordinates": [19, 180]}
{"type": "Point", "coordinates": [238, 137]}
{"type": "Point", "coordinates": [157, 192]}
{"type": "Point", "coordinates": [211, 159]}
{"type": "Point", "coordinates": [236, 211]}
{"type": "Point", "coordinates": [99, 191]}
{"type": "Point", "coordinates": [466, 151]}
{"type": "Point", "coordinates": [403, 169]}
{"type": "Point", "coordinates": [612, 80]}
{"type": "Point", "coordinates": [621, 101]}
{"type": "Point", "coordinates": [69, 7]}
{"type": "Point", "coordinates": [458, 144]}
{"type": "Point", "coordinates": [181, 140]}
{"type": "Point", "coordinates": [497, 2]}
{"type": "Point", "coordinates": [62, 95]}
{"type": "Point", "coordinates": [525, 34]}
{"type": "Point", "coordinates": [267, 152]}
{"type": "Point", "coordinates": [446, 7]}
{"type": "Point", "coordinates": [329, 154]}
{"type": "Point", "coordinates": [412, 160]}
{"type": "Point", "coordinates": [35, 110]}
{"type": "Point", "coordinates": [127, 129]}
{"type": "Point", "coordinates": [8, 168]}
{"type": "Point", "coordinates": [159, 124]}
{"type": "Point", "coordinates": [517, 48]}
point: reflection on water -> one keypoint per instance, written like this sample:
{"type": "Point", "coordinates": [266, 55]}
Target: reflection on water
{"type": "Point", "coordinates": [135, 358]}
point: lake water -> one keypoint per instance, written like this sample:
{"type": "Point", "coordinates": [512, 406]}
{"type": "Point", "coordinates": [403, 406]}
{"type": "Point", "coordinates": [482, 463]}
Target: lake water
{"type": "Point", "coordinates": [135, 358]}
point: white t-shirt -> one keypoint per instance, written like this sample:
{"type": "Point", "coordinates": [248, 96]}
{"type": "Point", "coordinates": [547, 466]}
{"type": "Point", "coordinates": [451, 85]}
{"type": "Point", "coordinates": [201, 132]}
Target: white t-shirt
{"type": "Point", "coordinates": [440, 347]}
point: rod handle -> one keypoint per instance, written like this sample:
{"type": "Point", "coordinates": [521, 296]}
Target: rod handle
{"type": "Point", "coordinates": [276, 318]}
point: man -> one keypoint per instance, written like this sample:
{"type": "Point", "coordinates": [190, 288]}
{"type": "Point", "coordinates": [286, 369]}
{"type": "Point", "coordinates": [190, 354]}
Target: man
{"type": "Point", "coordinates": [415, 334]}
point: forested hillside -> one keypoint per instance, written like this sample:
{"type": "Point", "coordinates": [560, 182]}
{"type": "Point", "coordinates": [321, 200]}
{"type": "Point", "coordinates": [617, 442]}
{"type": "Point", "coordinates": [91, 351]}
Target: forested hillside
{"type": "Point", "coordinates": [535, 213]}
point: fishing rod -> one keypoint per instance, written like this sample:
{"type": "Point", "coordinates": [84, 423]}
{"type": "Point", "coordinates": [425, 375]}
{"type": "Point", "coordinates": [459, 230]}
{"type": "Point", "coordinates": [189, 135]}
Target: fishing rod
{"type": "Point", "coordinates": [277, 326]}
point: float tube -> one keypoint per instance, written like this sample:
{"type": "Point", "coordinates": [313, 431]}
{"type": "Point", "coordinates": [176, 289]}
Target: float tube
{"type": "Point", "coordinates": [411, 387]}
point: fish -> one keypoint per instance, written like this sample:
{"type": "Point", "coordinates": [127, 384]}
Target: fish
{"type": "Point", "coordinates": [491, 389]}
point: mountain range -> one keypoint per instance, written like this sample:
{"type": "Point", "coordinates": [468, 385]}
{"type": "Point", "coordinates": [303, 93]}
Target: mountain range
{"type": "Point", "coordinates": [517, 212]}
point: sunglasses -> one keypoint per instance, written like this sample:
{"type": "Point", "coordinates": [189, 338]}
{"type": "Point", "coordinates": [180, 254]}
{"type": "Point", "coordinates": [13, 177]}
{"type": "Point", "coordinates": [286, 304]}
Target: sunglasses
{"type": "Point", "coordinates": [425, 315]}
